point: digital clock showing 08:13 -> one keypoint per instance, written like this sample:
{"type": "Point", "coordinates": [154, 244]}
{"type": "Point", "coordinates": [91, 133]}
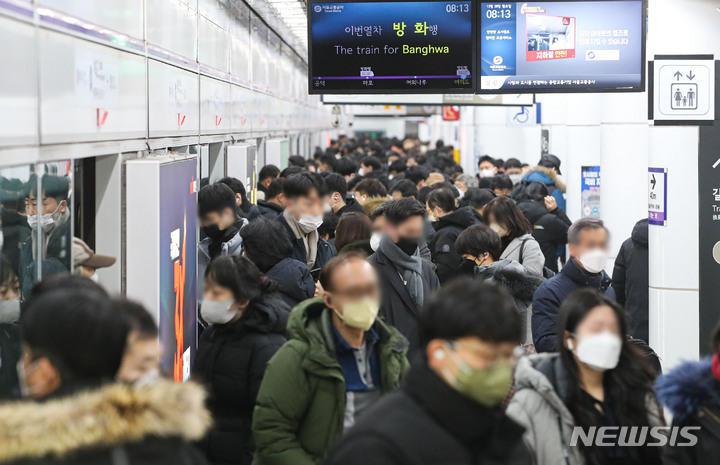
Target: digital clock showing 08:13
{"type": "Point", "coordinates": [457, 8]}
{"type": "Point", "coordinates": [495, 14]}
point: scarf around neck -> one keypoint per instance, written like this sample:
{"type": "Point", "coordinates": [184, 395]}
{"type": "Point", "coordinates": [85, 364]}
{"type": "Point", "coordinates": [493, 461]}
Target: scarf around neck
{"type": "Point", "coordinates": [409, 267]}
{"type": "Point", "coordinates": [310, 240]}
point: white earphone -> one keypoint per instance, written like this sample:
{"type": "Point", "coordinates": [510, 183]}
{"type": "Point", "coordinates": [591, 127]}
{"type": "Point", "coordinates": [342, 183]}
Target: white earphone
{"type": "Point", "coordinates": [439, 354]}
{"type": "Point", "coordinates": [570, 345]}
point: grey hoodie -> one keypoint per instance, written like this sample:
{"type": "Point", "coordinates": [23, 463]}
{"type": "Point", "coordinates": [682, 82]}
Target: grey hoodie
{"type": "Point", "coordinates": [539, 407]}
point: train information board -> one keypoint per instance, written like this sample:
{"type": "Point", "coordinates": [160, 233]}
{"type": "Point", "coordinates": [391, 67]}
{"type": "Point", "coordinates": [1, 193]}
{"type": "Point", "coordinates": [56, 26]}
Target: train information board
{"type": "Point", "coordinates": [391, 47]}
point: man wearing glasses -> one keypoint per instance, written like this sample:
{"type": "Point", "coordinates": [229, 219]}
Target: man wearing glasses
{"type": "Point", "coordinates": [338, 361]}
{"type": "Point", "coordinates": [449, 410]}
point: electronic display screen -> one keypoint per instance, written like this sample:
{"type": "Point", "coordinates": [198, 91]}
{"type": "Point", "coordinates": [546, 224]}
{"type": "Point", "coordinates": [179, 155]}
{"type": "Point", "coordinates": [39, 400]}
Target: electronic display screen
{"type": "Point", "coordinates": [561, 46]}
{"type": "Point", "coordinates": [391, 47]}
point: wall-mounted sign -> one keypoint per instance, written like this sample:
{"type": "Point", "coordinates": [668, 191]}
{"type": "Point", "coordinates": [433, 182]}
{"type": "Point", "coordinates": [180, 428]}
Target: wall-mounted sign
{"type": "Point", "coordinates": [657, 196]}
{"type": "Point", "coordinates": [682, 89]}
{"type": "Point", "coordinates": [590, 190]}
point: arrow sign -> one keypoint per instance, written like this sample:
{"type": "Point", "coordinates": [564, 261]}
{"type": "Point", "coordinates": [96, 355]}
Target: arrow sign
{"type": "Point", "coordinates": [678, 75]}
{"type": "Point", "coordinates": [690, 75]}
{"type": "Point", "coordinates": [653, 181]}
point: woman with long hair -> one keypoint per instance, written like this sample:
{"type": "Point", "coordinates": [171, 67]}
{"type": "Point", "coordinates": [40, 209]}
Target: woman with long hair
{"type": "Point", "coordinates": [247, 326]}
{"type": "Point", "coordinates": [597, 380]}
{"type": "Point", "coordinates": [515, 231]}
{"type": "Point", "coordinates": [353, 233]}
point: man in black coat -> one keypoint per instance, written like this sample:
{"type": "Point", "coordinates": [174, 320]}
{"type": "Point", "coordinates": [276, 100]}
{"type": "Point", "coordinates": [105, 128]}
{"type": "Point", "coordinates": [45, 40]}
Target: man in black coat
{"type": "Point", "coordinates": [550, 223]}
{"type": "Point", "coordinates": [588, 240]}
{"type": "Point", "coordinates": [76, 414]}
{"type": "Point", "coordinates": [274, 202]}
{"type": "Point", "coordinates": [407, 280]}
{"type": "Point", "coordinates": [630, 279]}
{"type": "Point", "coordinates": [339, 201]}
{"type": "Point", "coordinates": [450, 222]}
{"type": "Point", "coordinates": [439, 416]}
{"type": "Point", "coordinates": [304, 197]}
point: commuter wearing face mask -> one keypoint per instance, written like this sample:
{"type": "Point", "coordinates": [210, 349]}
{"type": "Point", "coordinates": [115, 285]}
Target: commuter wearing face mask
{"type": "Point", "coordinates": [305, 198]}
{"type": "Point", "coordinates": [54, 227]}
{"type": "Point", "coordinates": [486, 167]}
{"type": "Point", "coordinates": [406, 278]}
{"type": "Point", "coordinates": [75, 413]}
{"type": "Point", "coordinates": [221, 224]}
{"type": "Point", "coordinates": [506, 219]}
{"type": "Point", "coordinates": [247, 327]}
{"type": "Point", "coordinates": [339, 203]}
{"type": "Point", "coordinates": [597, 380]}
{"type": "Point", "coordinates": [588, 243]}
{"type": "Point", "coordinates": [338, 362]}
{"type": "Point", "coordinates": [480, 250]}
{"type": "Point", "coordinates": [449, 410]}
{"type": "Point", "coordinates": [10, 348]}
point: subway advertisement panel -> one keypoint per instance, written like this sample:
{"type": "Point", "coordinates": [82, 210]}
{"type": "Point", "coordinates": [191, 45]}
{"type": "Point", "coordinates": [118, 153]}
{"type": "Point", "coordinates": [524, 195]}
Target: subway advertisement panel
{"type": "Point", "coordinates": [391, 47]}
{"type": "Point", "coordinates": [556, 46]}
{"type": "Point", "coordinates": [178, 265]}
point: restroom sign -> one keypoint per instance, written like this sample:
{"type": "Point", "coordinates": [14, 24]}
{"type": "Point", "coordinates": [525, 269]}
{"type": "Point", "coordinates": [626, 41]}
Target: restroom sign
{"type": "Point", "coordinates": [657, 196]}
{"type": "Point", "coordinates": [682, 89]}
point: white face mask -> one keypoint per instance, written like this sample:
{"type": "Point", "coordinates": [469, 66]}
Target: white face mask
{"type": "Point", "coordinates": [95, 278]}
{"type": "Point", "coordinates": [327, 208]}
{"type": "Point", "coordinates": [487, 173]}
{"type": "Point", "coordinates": [217, 313]}
{"type": "Point", "coordinates": [148, 379]}
{"type": "Point", "coordinates": [47, 221]}
{"type": "Point", "coordinates": [598, 351]}
{"type": "Point", "coordinates": [375, 241]}
{"type": "Point", "coordinates": [9, 310]}
{"type": "Point", "coordinates": [516, 178]}
{"type": "Point", "coordinates": [309, 223]}
{"type": "Point", "coordinates": [432, 218]}
{"type": "Point", "coordinates": [594, 260]}
{"type": "Point", "coordinates": [361, 172]}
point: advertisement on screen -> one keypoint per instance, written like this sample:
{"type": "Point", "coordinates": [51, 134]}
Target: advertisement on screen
{"type": "Point", "coordinates": [178, 263]}
{"type": "Point", "coordinates": [590, 191]}
{"type": "Point", "coordinates": [556, 46]}
{"type": "Point", "coordinates": [391, 47]}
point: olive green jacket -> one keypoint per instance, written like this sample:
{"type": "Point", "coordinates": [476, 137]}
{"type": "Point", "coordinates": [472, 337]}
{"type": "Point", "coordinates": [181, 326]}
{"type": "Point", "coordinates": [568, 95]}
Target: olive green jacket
{"type": "Point", "coordinates": [301, 404]}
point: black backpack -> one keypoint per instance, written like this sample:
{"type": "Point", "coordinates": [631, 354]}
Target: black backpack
{"type": "Point", "coordinates": [547, 272]}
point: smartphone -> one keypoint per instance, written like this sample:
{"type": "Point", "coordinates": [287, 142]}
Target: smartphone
{"type": "Point", "coordinates": [315, 273]}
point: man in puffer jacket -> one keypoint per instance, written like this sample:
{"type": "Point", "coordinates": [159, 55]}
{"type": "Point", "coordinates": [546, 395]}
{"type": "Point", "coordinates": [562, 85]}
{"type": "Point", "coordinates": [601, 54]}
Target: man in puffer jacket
{"type": "Point", "coordinates": [338, 361]}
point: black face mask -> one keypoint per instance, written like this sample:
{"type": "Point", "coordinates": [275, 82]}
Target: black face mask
{"type": "Point", "coordinates": [467, 266]}
{"type": "Point", "coordinates": [213, 232]}
{"type": "Point", "coordinates": [408, 244]}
